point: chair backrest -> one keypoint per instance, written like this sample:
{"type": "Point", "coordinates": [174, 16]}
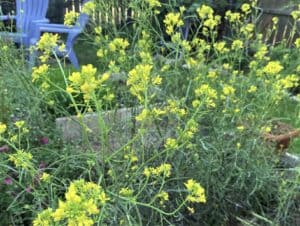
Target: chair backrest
{"type": "Point", "coordinates": [83, 18]}
{"type": "Point", "coordinates": [28, 10]}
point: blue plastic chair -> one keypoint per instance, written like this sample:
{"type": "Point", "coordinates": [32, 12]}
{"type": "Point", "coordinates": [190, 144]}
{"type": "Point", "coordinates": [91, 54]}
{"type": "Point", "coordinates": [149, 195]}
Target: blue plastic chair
{"type": "Point", "coordinates": [71, 31]}
{"type": "Point", "coordinates": [28, 12]}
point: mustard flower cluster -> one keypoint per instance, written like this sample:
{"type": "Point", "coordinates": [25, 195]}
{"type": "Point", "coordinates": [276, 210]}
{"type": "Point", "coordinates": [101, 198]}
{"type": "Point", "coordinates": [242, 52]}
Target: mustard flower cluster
{"type": "Point", "coordinates": [174, 107]}
{"type": "Point", "coordinates": [113, 51]}
{"type": "Point", "coordinates": [233, 17]}
{"type": "Point", "coordinates": [211, 23]}
{"type": "Point", "coordinates": [119, 45]}
{"type": "Point", "coordinates": [246, 8]}
{"type": "Point", "coordinates": [297, 43]}
{"type": "Point", "coordinates": [237, 44]}
{"type": "Point", "coordinates": [290, 81]}
{"type": "Point", "coordinates": [273, 68]}
{"type": "Point", "coordinates": [39, 72]}
{"type": "Point", "coordinates": [140, 79]}
{"type": "Point", "coordinates": [144, 47]}
{"type": "Point", "coordinates": [89, 7]}
{"type": "Point", "coordinates": [153, 3]}
{"type": "Point", "coordinates": [173, 21]}
{"type": "Point", "coordinates": [21, 159]}
{"type": "Point", "coordinates": [296, 14]}
{"type": "Point", "coordinates": [46, 44]}
{"type": "Point", "coordinates": [126, 192]}
{"type": "Point", "coordinates": [220, 47]}
{"type": "Point", "coordinates": [163, 196]}
{"type": "Point", "coordinates": [44, 218]}
{"type": "Point", "coordinates": [171, 143]}
{"type": "Point", "coordinates": [196, 192]}
{"type": "Point", "coordinates": [248, 30]}
{"type": "Point", "coordinates": [162, 170]}
{"type": "Point", "coordinates": [262, 52]}
{"type": "Point", "coordinates": [228, 90]}
{"type": "Point", "coordinates": [205, 12]}
{"type": "Point", "coordinates": [46, 177]}
{"type": "Point", "coordinates": [82, 202]}
{"type": "Point", "coordinates": [252, 89]}
{"type": "Point", "coordinates": [70, 18]}
{"type": "Point", "coordinates": [208, 94]}
{"type": "Point", "coordinates": [190, 129]}
{"type": "Point", "coordinates": [86, 82]}
{"type": "Point", "coordinates": [3, 128]}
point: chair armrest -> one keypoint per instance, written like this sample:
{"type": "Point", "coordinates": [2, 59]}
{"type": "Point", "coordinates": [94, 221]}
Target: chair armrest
{"type": "Point", "coordinates": [57, 28]}
{"type": "Point", "coordinates": [41, 21]}
{"type": "Point", "coordinates": [52, 28]}
{"type": "Point", "coordinates": [7, 17]}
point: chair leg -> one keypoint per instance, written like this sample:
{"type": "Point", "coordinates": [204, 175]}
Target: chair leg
{"type": "Point", "coordinates": [73, 58]}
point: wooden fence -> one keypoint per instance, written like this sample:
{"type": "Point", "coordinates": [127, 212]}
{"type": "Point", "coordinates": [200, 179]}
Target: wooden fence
{"type": "Point", "coordinates": [282, 10]}
{"type": "Point", "coordinates": [115, 11]}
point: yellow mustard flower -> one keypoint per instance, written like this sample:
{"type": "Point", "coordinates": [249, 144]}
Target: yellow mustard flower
{"type": "Point", "coordinates": [208, 93]}
{"type": "Point", "coordinates": [266, 129]}
{"type": "Point", "coordinates": [84, 81]}
{"type": "Point", "coordinates": [162, 170]}
{"type": "Point", "coordinates": [248, 29]}
{"type": "Point", "coordinates": [44, 218]}
{"type": "Point", "coordinates": [273, 68]}
{"type": "Point", "coordinates": [246, 8]}
{"type": "Point", "coordinates": [47, 42]}
{"type": "Point", "coordinates": [143, 116]}
{"type": "Point", "coordinates": [46, 177]}
{"type": "Point", "coordinates": [70, 18]}
{"type": "Point", "coordinates": [118, 44]}
{"type": "Point", "coordinates": [81, 205]}
{"type": "Point", "coordinates": [40, 71]}
{"type": "Point", "coordinates": [275, 20]}
{"type": "Point", "coordinates": [228, 90]}
{"type": "Point", "coordinates": [153, 3]}
{"type": "Point", "coordinates": [261, 53]}
{"type": "Point", "coordinates": [211, 23]}
{"type": "Point", "coordinates": [297, 43]}
{"type": "Point", "coordinates": [191, 210]}
{"type": "Point", "coordinates": [289, 81]}
{"type": "Point", "coordinates": [237, 44]}
{"type": "Point", "coordinates": [296, 14]}
{"type": "Point", "coordinates": [139, 80]}
{"type": "Point", "coordinates": [163, 196]}
{"type": "Point", "coordinates": [2, 128]}
{"type": "Point", "coordinates": [21, 159]}
{"type": "Point", "coordinates": [127, 192]}
{"type": "Point", "coordinates": [205, 12]}
{"type": "Point", "coordinates": [252, 89]}
{"type": "Point", "coordinates": [89, 7]}
{"type": "Point", "coordinates": [240, 128]}
{"type": "Point", "coordinates": [171, 21]}
{"type": "Point", "coordinates": [232, 16]}
{"type": "Point", "coordinates": [212, 74]}
{"type": "Point", "coordinates": [19, 124]}
{"type": "Point", "coordinates": [171, 143]}
{"type": "Point", "coordinates": [220, 47]}
{"type": "Point", "coordinates": [196, 192]}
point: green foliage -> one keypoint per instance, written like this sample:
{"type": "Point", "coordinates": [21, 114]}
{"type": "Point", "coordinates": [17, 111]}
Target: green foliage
{"type": "Point", "coordinates": [191, 150]}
